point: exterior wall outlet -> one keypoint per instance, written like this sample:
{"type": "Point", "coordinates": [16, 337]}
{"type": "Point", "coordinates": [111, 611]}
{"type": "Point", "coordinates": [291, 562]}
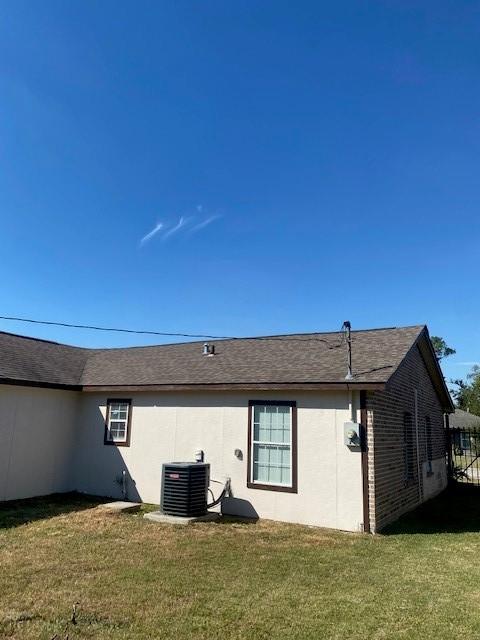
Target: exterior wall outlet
{"type": "Point", "coordinates": [351, 434]}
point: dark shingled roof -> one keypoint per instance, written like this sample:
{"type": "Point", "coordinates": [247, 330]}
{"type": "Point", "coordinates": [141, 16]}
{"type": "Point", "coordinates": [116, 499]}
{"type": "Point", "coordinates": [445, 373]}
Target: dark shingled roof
{"type": "Point", "coordinates": [293, 359]}
{"type": "Point", "coordinates": [464, 420]}
{"type": "Point", "coordinates": [40, 361]}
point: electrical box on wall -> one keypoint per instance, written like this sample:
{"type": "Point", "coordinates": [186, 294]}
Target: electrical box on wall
{"type": "Point", "coordinates": [351, 433]}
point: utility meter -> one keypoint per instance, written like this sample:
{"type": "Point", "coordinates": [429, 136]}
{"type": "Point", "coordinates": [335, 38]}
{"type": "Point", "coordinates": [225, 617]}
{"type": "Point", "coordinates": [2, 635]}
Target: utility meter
{"type": "Point", "coordinates": [351, 432]}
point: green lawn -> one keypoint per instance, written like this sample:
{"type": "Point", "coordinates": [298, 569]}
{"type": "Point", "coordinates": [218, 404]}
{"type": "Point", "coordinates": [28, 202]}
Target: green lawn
{"type": "Point", "coordinates": [135, 579]}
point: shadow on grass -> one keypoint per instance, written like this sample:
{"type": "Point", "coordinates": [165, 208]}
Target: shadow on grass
{"type": "Point", "coordinates": [17, 512]}
{"type": "Point", "coordinates": [456, 510]}
{"type": "Point", "coordinates": [229, 519]}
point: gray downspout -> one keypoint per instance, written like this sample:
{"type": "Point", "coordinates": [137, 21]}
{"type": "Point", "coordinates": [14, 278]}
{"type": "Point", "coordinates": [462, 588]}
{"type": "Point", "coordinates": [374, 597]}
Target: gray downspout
{"type": "Point", "coordinates": [420, 478]}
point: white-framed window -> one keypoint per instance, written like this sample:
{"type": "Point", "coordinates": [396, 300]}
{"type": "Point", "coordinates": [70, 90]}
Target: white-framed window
{"type": "Point", "coordinates": [272, 445]}
{"type": "Point", "coordinates": [117, 423]}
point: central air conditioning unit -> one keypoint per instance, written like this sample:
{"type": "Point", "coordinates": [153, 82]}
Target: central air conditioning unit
{"type": "Point", "coordinates": [185, 489]}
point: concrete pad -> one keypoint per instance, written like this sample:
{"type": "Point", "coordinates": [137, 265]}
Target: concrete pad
{"type": "Point", "coordinates": [122, 507]}
{"type": "Point", "coordinates": [163, 518]}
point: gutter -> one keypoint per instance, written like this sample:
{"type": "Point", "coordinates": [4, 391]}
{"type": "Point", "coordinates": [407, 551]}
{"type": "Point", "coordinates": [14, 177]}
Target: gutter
{"type": "Point", "coordinates": [42, 385]}
{"type": "Point", "coordinates": [218, 386]}
{"type": "Point", "coordinates": [240, 386]}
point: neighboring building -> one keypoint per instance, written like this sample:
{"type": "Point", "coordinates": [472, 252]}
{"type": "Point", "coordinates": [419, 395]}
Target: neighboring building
{"type": "Point", "coordinates": [270, 413]}
{"type": "Point", "coordinates": [461, 419]}
{"type": "Point", "coordinates": [465, 426]}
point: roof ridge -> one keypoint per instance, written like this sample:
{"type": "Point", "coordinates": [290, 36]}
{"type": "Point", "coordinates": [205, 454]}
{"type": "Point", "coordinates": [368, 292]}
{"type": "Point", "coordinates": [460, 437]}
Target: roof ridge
{"type": "Point", "coordinates": [273, 337]}
{"type": "Point", "coordinates": [167, 344]}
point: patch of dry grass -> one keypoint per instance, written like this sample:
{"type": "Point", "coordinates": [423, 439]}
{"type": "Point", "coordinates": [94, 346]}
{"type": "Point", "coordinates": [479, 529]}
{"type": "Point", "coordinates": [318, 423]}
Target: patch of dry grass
{"type": "Point", "coordinates": [136, 579]}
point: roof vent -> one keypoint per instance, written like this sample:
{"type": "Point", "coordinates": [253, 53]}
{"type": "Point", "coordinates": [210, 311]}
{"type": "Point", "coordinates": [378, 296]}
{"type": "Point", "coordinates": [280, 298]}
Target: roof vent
{"type": "Point", "coordinates": [208, 349]}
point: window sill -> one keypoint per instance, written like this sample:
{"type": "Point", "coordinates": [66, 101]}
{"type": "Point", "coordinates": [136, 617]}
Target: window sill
{"type": "Point", "coordinates": [271, 487]}
{"type": "Point", "coordinates": [112, 443]}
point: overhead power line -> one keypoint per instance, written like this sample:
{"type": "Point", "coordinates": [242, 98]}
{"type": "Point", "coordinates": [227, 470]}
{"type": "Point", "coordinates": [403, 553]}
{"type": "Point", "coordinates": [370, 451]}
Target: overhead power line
{"type": "Point", "coordinates": [171, 334]}
{"type": "Point", "coordinates": [116, 329]}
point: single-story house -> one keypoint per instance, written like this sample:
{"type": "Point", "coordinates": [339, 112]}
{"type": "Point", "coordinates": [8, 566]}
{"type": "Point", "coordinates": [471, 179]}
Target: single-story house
{"type": "Point", "coordinates": [300, 440]}
{"type": "Point", "coordinates": [461, 419]}
{"type": "Point", "coordinates": [465, 426]}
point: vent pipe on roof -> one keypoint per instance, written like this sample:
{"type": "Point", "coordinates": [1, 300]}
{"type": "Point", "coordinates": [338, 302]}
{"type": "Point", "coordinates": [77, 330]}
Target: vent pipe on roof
{"type": "Point", "coordinates": [208, 349]}
{"type": "Point", "coordinates": [348, 337]}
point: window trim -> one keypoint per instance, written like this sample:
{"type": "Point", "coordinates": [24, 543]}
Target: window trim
{"type": "Point", "coordinates": [293, 447]}
{"type": "Point", "coordinates": [117, 443]}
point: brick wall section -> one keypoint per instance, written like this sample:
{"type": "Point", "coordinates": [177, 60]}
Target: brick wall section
{"type": "Point", "coordinates": [390, 495]}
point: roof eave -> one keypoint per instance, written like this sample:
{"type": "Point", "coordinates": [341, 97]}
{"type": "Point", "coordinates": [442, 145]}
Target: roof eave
{"type": "Point", "coordinates": [428, 354]}
{"type": "Point", "coordinates": [19, 382]}
{"type": "Point", "coordinates": [241, 386]}
{"type": "Point", "coordinates": [425, 348]}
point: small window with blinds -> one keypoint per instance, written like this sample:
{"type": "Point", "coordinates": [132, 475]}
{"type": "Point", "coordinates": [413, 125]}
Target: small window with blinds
{"type": "Point", "coordinates": [117, 422]}
{"type": "Point", "coordinates": [272, 446]}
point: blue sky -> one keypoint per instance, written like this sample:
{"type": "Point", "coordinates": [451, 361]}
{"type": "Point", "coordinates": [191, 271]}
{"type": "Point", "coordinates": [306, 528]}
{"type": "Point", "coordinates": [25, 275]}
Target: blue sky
{"type": "Point", "coordinates": [303, 163]}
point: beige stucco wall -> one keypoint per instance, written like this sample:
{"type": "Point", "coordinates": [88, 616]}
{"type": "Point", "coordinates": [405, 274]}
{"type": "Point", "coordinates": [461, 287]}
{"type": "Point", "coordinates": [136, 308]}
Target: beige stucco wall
{"type": "Point", "coordinates": [36, 441]}
{"type": "Point", "coordinates": [436, 481]}
{"type": "Point", "coordinates": [172, 426]}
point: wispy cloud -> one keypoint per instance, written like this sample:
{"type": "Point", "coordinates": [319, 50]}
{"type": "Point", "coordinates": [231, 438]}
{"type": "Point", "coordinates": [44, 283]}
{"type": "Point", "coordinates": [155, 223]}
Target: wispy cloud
{"type": "Point", "coordinates": [194, 223]}
{"type": "Point", "coordinates": [204, 223]}
{"type": "Point", "coordinates": [181, 223]}
{"type": "Point", "coordinates": [158, 227]}
{"type": "Point", "coordinates": [468, 363]}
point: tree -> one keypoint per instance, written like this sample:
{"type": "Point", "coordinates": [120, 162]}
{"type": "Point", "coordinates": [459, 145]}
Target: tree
{"type": "Point", "coordinates": [441, 349]}
{"type": "Point", "coordinates": [467, 394]}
